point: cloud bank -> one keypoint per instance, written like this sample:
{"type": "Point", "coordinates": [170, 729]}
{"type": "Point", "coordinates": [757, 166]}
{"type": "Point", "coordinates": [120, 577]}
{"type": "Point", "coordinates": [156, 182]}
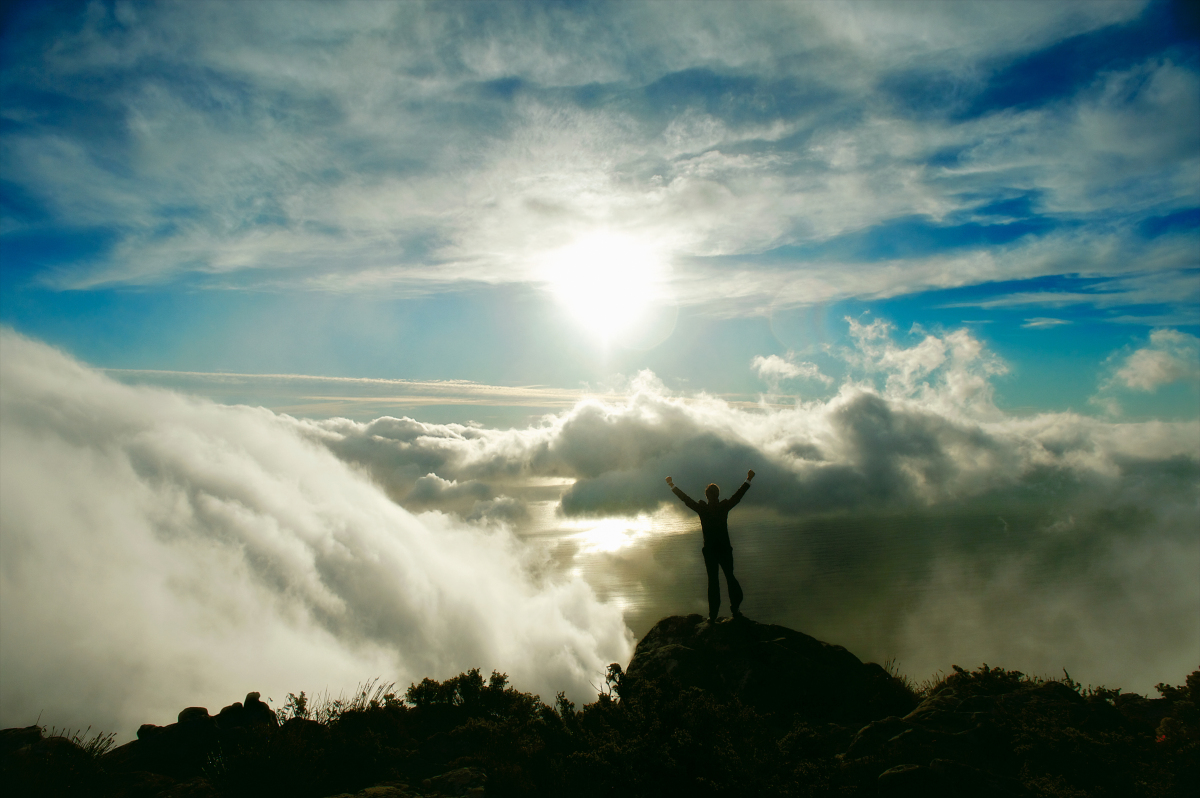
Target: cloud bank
{"type": "Point", "coordinates": [160, 551]}
{"type": "Point", "coordinates": [905, 516]}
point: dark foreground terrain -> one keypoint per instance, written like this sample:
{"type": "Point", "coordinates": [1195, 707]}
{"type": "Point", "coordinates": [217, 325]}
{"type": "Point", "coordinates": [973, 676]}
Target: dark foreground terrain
{"type": "Point", "coordinates": [733, 708]}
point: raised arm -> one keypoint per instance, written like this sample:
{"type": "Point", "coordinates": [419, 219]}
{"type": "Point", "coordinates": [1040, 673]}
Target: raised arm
{"type": "Point", "coordinates": [686, 499]}
{"type": "Point", "coordinates": [737, 497]}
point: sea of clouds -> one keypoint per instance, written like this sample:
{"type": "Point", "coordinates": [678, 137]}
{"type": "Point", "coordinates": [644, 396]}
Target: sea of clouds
{"type": "Point", "coordinates": [159, 550]}
{"type": "Point", "coordinates": [905, 517]}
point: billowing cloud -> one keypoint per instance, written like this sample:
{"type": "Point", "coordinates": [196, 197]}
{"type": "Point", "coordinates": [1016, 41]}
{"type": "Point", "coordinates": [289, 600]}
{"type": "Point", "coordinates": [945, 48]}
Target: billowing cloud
{"type": "Point", "coordinates": [211, 550]}
{"type": "Point", "coordinates": [160, 551]}
{"type": "Point", "coordinates": [904, 516]}
{"type": "Point", "coordinates": [1172, 356]}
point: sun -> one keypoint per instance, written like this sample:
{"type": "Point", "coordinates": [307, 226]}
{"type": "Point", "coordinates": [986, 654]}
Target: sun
{"type": "Point", "coordinates": [607, 282]}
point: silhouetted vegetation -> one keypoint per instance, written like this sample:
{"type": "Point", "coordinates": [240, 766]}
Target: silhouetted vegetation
{"type": "Point", "coordinates": [985, 732]}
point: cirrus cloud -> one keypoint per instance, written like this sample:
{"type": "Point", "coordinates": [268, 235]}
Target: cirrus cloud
{"type": "Point", "coordinates": [414, 147]}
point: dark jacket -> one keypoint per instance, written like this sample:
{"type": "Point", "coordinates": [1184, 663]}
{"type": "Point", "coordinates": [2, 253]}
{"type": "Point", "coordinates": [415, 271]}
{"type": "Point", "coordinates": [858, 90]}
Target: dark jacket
{"type": "Point", "coordinates": [714, 518]}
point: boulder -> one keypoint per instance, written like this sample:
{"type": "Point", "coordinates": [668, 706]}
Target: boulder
{"type": "Point", "coordinates": [180, 750]}
{"type": "Point", "coordinates": [44, 765]}
{"type": "Point", "coordinates": [193, 714]}
{"type": "Point", "coordinates": [252, 712]}
{"type": "Point", "coordinates": [775, 670]}
{"type": "Point", "coordinates": [875, 735]}
{"type": "Point", "coordinates": [257, 713]}
{"type": "Point", "coordinates": [14, 739]}
{"type": "Point", "coordinates": [127, 758]}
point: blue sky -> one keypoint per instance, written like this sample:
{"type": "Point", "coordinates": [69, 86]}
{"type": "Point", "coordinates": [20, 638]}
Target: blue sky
{"type": "Point", "coordinates": [395, 190]}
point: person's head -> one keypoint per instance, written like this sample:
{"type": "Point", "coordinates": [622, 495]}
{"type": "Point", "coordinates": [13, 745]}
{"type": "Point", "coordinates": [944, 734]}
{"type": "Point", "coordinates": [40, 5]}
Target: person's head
{"type": "Point", "coordinates": [712, 492]}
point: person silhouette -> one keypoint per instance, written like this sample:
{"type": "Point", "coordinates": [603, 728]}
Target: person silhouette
{"type": "Point", "coordinates": [717, 550]}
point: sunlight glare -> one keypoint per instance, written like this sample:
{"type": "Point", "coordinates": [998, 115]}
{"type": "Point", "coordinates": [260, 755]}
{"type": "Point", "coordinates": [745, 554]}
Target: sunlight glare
{"type": "Point", "coordinates": [609, 535]}
{"type": "Point", "coordinates": [607, 281]}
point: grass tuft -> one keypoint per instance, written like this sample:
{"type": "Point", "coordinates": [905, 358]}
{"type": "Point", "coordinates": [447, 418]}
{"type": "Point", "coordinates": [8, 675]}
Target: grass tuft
{"type": "Point", "coordinates": [96, 745]}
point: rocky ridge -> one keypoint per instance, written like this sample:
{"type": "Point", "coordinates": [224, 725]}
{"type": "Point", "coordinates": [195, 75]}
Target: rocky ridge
{"type": "Point", "coordinates": [732, 707]}
{"type": "Point", "coordinates": [188, 759]}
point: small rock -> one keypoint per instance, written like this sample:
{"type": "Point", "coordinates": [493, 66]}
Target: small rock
{"type": "Point", "coordinates": [193, 714]}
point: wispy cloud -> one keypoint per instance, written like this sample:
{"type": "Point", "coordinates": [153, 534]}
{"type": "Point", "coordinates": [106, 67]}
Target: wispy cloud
{"type": "Point", "coordinates": [412, 147]}
{"type": "Point", "coordinates": [326, 396]}
{"type": "Point", "coordinates": [1042, 323]}
{"type": "Point", "coordinates": [774, 368]}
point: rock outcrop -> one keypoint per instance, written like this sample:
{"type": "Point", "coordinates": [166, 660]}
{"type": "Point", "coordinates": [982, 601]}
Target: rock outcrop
{"type": "Point", "coordinates": [728, 707]}
{"type": "Point", "coordinates": [48, 765]}
{"type": "Point", "coordinates": [202, 756]}
{"type": "Point", "coordinates": [776, 670]}
{"type": "Point", "coordinates": [182, 749]}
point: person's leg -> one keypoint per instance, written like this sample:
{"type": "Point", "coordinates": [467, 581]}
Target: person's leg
{"type": "Point", "coordinates": [735, 590]}
{"type": "Point", "coordinates": [714, 584]}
